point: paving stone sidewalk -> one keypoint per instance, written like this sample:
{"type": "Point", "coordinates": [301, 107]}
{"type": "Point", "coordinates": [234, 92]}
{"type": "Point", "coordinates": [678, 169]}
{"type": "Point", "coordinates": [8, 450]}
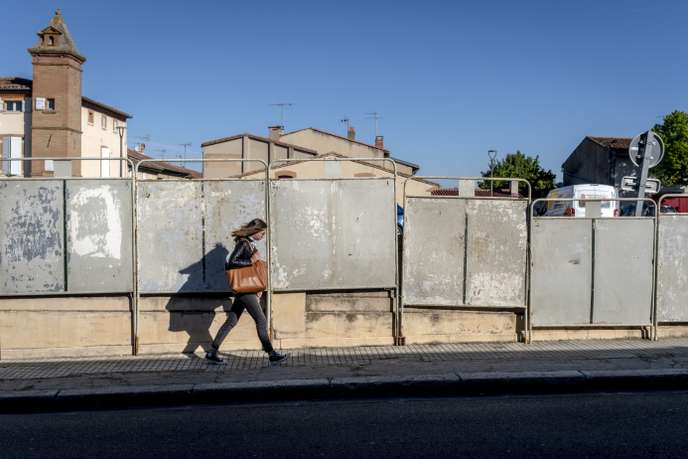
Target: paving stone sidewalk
{"type": "Point", "coordinates": [411, 361]}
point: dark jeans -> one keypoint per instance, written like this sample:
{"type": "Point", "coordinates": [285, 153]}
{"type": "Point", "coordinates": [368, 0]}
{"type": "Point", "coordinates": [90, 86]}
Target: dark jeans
{"type": "Point", "coordinates": [251, 303]}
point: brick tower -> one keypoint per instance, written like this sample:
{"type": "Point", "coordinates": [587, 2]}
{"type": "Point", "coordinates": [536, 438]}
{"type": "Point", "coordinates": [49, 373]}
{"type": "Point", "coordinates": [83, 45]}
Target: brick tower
{"type": "Point", "coordinates": [56, 98]}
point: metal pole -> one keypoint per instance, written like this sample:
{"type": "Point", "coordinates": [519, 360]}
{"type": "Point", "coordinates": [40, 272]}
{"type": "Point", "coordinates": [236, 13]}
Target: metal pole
{"type": "Point", "coordinates": [492, 154]}
{"type": "Point", "coordinates": [644, 152]}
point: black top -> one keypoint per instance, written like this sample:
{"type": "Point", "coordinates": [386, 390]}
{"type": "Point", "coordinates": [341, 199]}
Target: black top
{"type": "Point", "coordinates": [241, 255]}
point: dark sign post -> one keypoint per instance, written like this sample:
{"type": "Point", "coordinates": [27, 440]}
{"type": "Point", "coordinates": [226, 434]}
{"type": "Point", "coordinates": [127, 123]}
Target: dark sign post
{"type": "Point", "coordinates": [646, 151]}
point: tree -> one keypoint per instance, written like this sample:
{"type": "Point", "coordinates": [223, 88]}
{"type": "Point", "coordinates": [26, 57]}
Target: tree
{"type": "Point", "coordinates": [673, 170]}
{"type": "Point", "coordinates": [518, 165]}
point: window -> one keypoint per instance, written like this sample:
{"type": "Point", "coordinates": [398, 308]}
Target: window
{"type": "Point", "coordinates": [114, 126]}
{"type": "Point", "coordinates": [50, 105]}
{"type": "Point", "coordinates": [282, 175]}
{"type": "Point", "coordinates": [103, 121]}
{"type": "Point", "coordinates": [90, 118]}
{"type": "Point", "coordinates": [14, 105]}
{"type": "Point", "coordinates": [51, 41]}
{"type": "Point", "coordinates": [104, 163]}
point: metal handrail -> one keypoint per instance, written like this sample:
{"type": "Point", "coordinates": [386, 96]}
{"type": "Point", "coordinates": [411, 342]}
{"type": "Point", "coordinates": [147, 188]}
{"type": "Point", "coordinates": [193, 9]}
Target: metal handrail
{"type": "Point", "coordinates": [474, 179]}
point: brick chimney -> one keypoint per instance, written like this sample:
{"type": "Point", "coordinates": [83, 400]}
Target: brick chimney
{"type": "Point", "coordinates": [351, 133]}
{"type": "Point", "coordinates": [380, 142]}
{"type": "Point", "coordinates": [275, 132]}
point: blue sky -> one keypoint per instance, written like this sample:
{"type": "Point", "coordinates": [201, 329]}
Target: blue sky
{"type": "Point", "coordinates": [451, 79]}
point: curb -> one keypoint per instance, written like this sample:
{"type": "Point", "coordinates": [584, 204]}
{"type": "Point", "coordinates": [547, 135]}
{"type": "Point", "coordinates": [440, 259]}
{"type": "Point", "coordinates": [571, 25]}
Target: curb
{"type": "Point", "coordinates": [437, 385]}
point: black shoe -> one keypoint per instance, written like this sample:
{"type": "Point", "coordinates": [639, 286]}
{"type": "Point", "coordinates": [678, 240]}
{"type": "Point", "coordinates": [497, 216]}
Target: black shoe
{"type": "Point", "coordinates": [213, 357]}
{"type": "Point", "coordinates": [276, 357]}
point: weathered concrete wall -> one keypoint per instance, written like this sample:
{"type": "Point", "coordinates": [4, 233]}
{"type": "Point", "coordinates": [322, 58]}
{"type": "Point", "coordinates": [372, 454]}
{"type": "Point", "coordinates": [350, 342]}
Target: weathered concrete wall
{"type": "Point", "coordinates": [65, 326]}
{"type": "Point", "coordinates": [435, 325]}
{"type": "Point", "coordinates": [672, 269]}
{"type": "Point", "coordinates": [464, 252]}
{"type": "Point", "coordinates": [322, 234]}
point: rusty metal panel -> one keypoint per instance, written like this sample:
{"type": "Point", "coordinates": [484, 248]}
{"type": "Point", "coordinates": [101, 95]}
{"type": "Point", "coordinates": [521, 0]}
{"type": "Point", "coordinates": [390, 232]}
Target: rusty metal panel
{"type": "Point", "coordinates": [31, 237]}
{"type": "Point", "coordinates": [561, 271]}
{"type": "Point", "coordinates": [434, 238]}
{"type": "Point", "coordinates": [99, 236]}
{"type": "Point", "coordinates": [228, 205]}
{"type": "Point", "coordinates": [496, 249]}
{"type": "Point", "coordinates": [170, 236]}
{"type": "Point", "coordinates": [623, 271]}
{"type": "Point", "coordinates": [333, 234]}
{"type": "Point", "coordinates": [672, 269]}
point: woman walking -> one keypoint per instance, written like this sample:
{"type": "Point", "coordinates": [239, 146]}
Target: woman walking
{"type": "Point", "coordinates": [245, 254]}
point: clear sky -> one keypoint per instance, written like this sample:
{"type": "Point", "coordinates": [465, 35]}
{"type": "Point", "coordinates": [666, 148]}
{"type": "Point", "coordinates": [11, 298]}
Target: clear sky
{"type": "Point", "coordinates": [451, 79]}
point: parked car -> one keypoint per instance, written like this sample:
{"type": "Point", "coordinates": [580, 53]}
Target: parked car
{"type": "Point", "coordinates": [628, 209]}
{"type": "Point", "coordinates": [574, 200]}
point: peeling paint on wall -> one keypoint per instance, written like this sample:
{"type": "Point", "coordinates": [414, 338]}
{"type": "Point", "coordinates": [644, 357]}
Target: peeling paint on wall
{"type": "Point", "coordinates": [31, 248]}
{"type": "Point", "coordinates": [672, 269]}
{"type": "Point", "coordinates": [95, 226]}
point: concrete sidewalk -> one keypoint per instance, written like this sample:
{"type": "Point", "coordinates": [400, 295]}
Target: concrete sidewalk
{"type": "Point", "coordinates": [416, 370]}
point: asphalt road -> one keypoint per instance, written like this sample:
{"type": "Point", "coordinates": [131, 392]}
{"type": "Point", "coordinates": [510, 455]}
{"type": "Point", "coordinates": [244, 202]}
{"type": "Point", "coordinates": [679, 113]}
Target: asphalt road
{"type": "Point", "coordinates": [622, 425]}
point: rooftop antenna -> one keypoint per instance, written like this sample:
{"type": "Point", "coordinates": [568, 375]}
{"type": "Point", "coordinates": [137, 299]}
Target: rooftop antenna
{"type": "Point", "coordinates": [346, 122]}
{"type": "Point", "coordinates": [282, 106]}
{"type": "Point", "coordinates": [185, 145]}
{"type": "Point", "coordinates": [375, 116]}
{"type": "Point", "coordinates": [145, 137]}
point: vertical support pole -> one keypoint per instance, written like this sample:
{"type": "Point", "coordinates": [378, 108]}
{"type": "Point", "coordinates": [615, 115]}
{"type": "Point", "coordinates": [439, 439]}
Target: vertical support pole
{"type": "Point", "coordinates": [655, 261]}
{"type": "Point", "coordinates": [135, 256]}
{"type": "Point", "coordinates": [644, 152]}
{"type": "Point", "coordinates": [268, 255]}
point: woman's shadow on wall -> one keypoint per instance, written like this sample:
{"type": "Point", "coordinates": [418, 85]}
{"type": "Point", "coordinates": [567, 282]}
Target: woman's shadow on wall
{"type": "Point", "coordinates": [193, 312]}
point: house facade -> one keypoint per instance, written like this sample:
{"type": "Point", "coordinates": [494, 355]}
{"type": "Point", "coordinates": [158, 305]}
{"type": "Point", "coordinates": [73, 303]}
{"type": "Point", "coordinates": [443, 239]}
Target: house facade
{"type": "Point", "coordinates": [600, 160]}
{"type": "Point", "coordinates": [47, 116]}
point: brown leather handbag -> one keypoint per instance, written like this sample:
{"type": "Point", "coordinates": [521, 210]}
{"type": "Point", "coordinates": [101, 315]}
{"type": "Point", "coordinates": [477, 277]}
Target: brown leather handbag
{"type": "Point", "coordinates": [249, 279]}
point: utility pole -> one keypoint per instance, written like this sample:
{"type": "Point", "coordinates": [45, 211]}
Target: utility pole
{"type": "Point", "coordinates": [120, 131]}
{"type": "Point", "coordinates": [375, 116]}
{"type": "Point", "coordinates": [492, 154]}
{"type": "Point", "coordinates": [185, 145]}
{"type": "Point", "coordinates": [282, 106]}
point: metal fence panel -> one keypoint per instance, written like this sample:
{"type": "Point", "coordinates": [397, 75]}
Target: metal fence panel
{"type": "Point", "coordinates": [561, 271]}
{"type": "Point", "coordinates": [31, 236]}
{"type": "Point", "coordinates": [672, 269]}
{"type": "Point", "coordinates": [333, 234]}
{"type": "Point", "coordinates": [623, 271]}
{"type": "Point", "coordinates": [496, 249]}
{"type": "Point", "coordinates": [228, 205]}
{"type": "Point", "coordinates": [434, 238]}
{"type": "Point", "coordinates": [99, 236]}
{"type": "Point", "coordinates": [170, 236]}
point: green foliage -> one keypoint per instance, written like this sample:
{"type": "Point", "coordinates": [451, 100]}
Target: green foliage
{"type": "Point", "coordinates": [673, 170]}
{"type": "Point", "coordinates": [518, 165]}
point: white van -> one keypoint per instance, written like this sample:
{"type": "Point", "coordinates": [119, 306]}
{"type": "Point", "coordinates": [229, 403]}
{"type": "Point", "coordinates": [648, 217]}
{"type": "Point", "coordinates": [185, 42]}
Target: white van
{"type": "Point", "coordinates": [579, 193]}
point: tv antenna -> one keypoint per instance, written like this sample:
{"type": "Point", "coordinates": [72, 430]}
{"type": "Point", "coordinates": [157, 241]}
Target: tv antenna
{"type": "Point", "coordinates": [145, 137]}
{"type": "Point", "coordinates": [346, 122]}
{"type": "Point", "coordinates": [375, 116]}
{"type": "Point", "coordinates": [282, 107]}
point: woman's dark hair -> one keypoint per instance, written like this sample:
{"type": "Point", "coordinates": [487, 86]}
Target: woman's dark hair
{"type": "Point", "coordinates": [249, 229]}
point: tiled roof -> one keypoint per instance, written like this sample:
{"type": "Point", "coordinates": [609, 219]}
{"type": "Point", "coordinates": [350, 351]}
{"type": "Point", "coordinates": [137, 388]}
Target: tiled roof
{"type": "Point", "coordinates": [10, 83]}
{"type": "Point", "coordinates": [161, 167]}
{"type": "Point", "coordinates": [332, 134]}
{"type": "Point", "coordinates": [613, 142]}
{"type": "Point", "coordinates": [86, 102]}
{"type": "Point", "coordinates": [479, 192]}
